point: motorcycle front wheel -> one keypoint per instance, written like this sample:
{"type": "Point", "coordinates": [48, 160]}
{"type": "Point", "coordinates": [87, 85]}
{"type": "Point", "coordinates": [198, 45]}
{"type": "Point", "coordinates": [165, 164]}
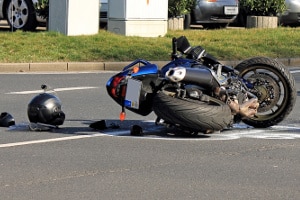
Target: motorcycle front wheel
{"type": "Point", "coordinates": [193, 115]}
{"type": "Point", "coordinates": [274, 86]}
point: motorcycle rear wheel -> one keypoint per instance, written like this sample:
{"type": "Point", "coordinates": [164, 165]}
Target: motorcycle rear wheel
{"type": "Point", "coordinates": [275, 89]}
{"type": "Point", "coordinates": [193, 115]}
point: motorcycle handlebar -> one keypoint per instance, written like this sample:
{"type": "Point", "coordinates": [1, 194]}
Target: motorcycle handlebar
{"type": "Point", "coordinates": [174, 45]}
{"type": "Point", "coordinates": [174, 48]}
{"type": "Point", "coordinates": [138, 61]}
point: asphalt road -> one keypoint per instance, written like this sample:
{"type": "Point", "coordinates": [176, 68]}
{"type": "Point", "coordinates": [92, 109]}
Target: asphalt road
{"type": "Point", "coordinates": [77, 162]}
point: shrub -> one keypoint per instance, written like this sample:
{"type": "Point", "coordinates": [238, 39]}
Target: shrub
{"type": "Point", "coordinates": [180, 7]}
{"type": "Point", "coordinates": [263, 7]}
{"type": "Point", "coordinates": [42, 8]}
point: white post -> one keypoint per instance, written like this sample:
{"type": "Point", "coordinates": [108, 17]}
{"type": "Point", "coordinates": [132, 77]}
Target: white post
{"type": "Point", "coordinates": [145, 18]}
{"type": "Point", "coordinates": [74, 17]}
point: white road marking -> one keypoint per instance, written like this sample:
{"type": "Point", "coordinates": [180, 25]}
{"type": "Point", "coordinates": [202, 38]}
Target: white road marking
{"type": "Point", "coordinates": [294, 71]}
{"type": "Point", "coordinates": [42, 141]}
{"type": "Point", "coordinates": [48, 140]}
{"type": "Point", "coordinates": [55, 90]}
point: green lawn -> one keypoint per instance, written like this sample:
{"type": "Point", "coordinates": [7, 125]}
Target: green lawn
{"type": "Point", "coordinates": [224, 44]}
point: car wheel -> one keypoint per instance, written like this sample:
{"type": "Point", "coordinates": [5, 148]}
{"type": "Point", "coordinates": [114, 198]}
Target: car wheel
{"type": "Point", "coordinates": [20, 14]}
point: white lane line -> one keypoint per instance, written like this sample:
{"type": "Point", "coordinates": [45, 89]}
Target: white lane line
{"type": "Point", "coordinates": [55, 90]}
{"type": "Point", "coordinates": [294, 71]}
{"type": "Point", "coordinates": [50, 140]}
{"type": "Point", "coordinates": [124, 133]}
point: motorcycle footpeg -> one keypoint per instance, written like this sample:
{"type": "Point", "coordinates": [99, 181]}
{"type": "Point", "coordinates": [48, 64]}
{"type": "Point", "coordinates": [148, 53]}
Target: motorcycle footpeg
{"type": "Point", "coordinates": [136, 130]}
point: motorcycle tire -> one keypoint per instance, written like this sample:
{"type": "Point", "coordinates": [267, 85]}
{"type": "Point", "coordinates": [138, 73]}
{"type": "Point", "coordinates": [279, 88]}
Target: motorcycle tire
{"type": "Point", "coordinates": [276, 90]}
{"type": "Point", "coordinates": [193, 115]}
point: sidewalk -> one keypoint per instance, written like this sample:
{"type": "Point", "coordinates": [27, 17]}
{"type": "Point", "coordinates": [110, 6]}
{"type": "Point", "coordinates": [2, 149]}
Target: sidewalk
{"type": "Point", "coordinates": [99, 66]}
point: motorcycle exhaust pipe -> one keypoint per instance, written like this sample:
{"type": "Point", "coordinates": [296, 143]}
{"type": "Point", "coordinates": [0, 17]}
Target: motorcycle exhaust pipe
{"type": "Point", "coordinates": [200, 76]}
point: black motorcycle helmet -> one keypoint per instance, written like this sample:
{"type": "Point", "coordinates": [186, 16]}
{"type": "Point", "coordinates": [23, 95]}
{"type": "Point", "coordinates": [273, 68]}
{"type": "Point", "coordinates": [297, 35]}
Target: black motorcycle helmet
{"type": "Point", "coordinates": [46, 108]}
{"type": "Point", "coordinates": [6, 120]}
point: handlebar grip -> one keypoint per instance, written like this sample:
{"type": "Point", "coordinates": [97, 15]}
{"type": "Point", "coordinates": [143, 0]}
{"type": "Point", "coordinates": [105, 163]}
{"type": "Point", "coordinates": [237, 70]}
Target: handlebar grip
{"type": "Point", "coordinates": [174, 45]}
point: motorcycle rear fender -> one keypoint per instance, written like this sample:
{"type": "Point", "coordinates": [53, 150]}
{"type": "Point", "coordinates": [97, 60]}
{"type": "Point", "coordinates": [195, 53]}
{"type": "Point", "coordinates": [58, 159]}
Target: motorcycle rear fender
{"type": "Point", "coordinates": [149, 82]}
{"type": "Point", "coordinates": [147, 74]}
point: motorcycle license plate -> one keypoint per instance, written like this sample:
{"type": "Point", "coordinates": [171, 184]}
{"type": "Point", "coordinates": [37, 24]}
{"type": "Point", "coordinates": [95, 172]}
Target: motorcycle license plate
{"type": "Point", "coordinates": [133, 91]}
{"type": "Point", "coordinates": [231, 10]}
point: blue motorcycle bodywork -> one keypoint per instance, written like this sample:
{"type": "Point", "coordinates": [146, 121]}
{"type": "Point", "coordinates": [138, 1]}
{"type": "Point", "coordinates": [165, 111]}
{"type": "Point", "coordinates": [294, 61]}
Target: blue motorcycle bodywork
{"type": "Point", "coordinates": [150, 76]}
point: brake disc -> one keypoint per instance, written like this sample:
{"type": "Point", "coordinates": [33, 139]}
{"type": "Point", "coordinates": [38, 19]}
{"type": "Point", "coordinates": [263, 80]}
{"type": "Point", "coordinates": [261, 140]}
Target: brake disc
{"type": "Point", "coordinates": [267, 90]}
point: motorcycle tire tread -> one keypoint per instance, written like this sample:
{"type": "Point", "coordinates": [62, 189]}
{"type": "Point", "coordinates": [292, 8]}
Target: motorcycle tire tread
{"type": "Point", "coordinates": [192, 114]}
{"type": "Point", "coordinates": [288, 78]}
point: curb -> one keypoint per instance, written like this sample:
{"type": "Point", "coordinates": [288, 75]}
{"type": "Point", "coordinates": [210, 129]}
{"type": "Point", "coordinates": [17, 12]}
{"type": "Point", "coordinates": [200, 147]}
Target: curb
{"type": "Point", "coordinates": [100, 66]}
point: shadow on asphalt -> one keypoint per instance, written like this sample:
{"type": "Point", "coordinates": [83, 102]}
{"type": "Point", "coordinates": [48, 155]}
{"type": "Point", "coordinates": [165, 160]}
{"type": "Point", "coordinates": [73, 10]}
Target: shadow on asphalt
{"type": "Point", "coordinates": [81, 128]}
{"type": "Point", "coordinates": [112, 128]}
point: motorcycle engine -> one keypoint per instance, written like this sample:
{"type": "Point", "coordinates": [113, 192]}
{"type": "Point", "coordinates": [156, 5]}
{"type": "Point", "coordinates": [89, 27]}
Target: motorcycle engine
{"type": "Point", "coordinates": [234, 90]}
{"type": "Point", "coordinates": [235, 93]}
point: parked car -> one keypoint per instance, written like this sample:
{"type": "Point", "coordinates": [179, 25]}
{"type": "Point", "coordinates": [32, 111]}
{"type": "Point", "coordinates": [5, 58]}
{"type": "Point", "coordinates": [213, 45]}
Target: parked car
{"type": "Point", "coordinates": [103, 12]}
{"type": "Point", "coordinates": [291, 17]}
{"type": "Point", "coordinates": [208, 13]}
{"type": "Point", "coordinates": [20, 14]}
{"type": "Point", "coordinates": [214, 13]}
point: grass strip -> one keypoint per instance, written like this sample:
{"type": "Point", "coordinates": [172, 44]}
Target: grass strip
{"type": "Point", "coordinates": [224, 44]}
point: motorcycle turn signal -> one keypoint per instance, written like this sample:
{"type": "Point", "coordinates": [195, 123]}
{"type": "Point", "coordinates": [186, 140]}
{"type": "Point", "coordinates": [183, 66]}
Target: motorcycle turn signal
{"type": "Point", "coordinates": [122, 116]}
{"type": "Point", "coordinates": [135, 69]}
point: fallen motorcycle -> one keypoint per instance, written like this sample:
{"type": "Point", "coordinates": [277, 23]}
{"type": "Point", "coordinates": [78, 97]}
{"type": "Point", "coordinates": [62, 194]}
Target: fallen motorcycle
{"type": "Point", "coordinates": [197, 93]}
